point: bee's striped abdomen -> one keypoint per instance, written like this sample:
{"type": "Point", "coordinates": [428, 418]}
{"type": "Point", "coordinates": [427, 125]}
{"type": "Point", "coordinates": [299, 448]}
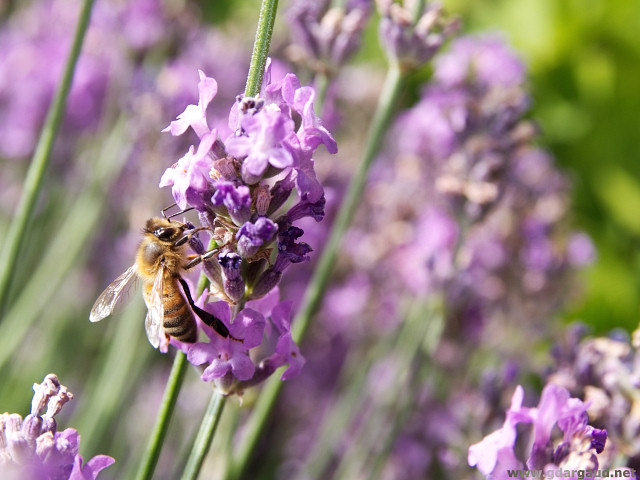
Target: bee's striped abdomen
{"type": "Point", "coordinates": [178, 319]}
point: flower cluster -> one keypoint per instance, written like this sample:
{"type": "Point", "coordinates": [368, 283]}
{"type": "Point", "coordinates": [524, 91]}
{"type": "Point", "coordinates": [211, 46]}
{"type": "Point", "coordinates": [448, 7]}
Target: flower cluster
{"type": "Point", "coordinates": [34, 449]}
{"type": "Point", "coordinates": [241, 188]}
{"type": "Point", "coordinates": [463, 208]}
{"type": "Point", "coordinates": [324, 36]}
{"type": "Point", "coordinates": [412, 37]}
{"type": "Point", "coordinates": [496, 202]}
{"type": "Point", "coordinates": [605, 372]}
{"type": "Point", "coordinates": [577, 450]}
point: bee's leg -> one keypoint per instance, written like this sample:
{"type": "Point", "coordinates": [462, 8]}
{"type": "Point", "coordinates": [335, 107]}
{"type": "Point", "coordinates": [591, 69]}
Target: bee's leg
{"type": "Point", "coordinates": [205, 316]}
{"type": "Point", "coordinates": [187, 236]}
{"type": "Point", "coordinates": [202, 258]}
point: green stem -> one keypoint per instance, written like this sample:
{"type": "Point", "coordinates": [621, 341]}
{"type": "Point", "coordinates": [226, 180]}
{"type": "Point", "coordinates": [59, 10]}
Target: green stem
{"type": "Point", "coordinates": [323, 270]}
{"type": "Point", "coordinates": [151, 455]}
{"type": "Point", "coordinates": [40, 161]}
{"type": "Point", "coordinates": [261, 47]}
{"type": "Point", "coordinates": [204, 437]}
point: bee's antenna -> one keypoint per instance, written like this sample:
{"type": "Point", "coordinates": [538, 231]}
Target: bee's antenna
{"type": "Point", "coordinates": [164, 211]}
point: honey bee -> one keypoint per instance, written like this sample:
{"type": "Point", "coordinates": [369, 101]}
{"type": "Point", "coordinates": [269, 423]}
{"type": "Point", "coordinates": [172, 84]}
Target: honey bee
{"type": "Point", "coordinates": [160, 259]}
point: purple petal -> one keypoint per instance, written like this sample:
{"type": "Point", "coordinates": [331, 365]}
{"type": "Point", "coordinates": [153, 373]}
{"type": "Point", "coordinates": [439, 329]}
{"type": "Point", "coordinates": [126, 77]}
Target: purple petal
{"type": "Point", "coordinates": [249, 326]}
{"type": "Point", "coordinates": [200, 353]}
{"type": "Point", "coordinates": [265, 304]}
{"type": "Point", "coordinates": [242, 366]}
{"type": "Point", "coordinates": [281, 316]}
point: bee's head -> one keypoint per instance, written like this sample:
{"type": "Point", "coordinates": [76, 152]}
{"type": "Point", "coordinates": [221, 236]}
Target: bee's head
{"type": "Point", "coordinates": [165, 230]}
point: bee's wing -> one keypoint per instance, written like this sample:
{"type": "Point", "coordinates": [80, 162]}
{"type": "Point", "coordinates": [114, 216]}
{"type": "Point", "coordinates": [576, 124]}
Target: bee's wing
{"type": "Point", "coordinates": [114, 295]}
{"type": "Point", "coordinates": [155, 310]}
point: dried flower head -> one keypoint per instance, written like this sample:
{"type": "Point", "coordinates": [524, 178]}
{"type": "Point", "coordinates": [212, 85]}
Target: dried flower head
{"type": "Point", "coordinates": [34, 449]}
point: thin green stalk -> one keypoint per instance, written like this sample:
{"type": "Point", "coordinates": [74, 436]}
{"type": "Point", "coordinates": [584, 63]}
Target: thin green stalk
{"type": "Point", "coordinates": [261, 46]}
{"type": "Point", "coordinates": [40, 161]}
{"type": "Point", "coordinates": [152, 453]}
{"type": "Point", "coordinates": [204, 437]}
{"type": "Point", "coordinates": [322, 272]}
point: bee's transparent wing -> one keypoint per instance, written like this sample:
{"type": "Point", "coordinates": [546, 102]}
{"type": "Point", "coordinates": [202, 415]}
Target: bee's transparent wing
{"type": "Point", "coordinates": [114, 295]}
{"type": "Point", "coordinates": [155, 310]}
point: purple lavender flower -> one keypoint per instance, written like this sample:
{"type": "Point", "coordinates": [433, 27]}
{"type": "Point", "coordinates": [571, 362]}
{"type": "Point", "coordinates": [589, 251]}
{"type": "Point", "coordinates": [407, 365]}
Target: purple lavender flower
{"type": "Point", "coordinates": [237, 200]}
{"type": "Point", "coordinates": [252, 235]}
{"type": "Point", "coordinates": [411, 42]}
{"type": "Point", "coordinates": [230, 184]}
{"type": "Point", "coordinates": [33, 448]}
{"type": "Point", "coordinates": [485, 60]}
{"type": "Point", "coordinates": [233, 282]}
{"type": "Point", "coordinates": [325, 37]}
{"type": "Point", "coordinates": [311, 133]}
{"type": "Point", "coordinates": [495, 454]}
{"type": "Point", "coordinates": [261, 143]}
{"type": "Point", "coordinates": [195, 116]}
{"type": "Point", "coordinates": [189, 178]}
{"type": "Point", "coordinates": [287, 352]}
{"type": "Point", "coordinates": [225, 355]}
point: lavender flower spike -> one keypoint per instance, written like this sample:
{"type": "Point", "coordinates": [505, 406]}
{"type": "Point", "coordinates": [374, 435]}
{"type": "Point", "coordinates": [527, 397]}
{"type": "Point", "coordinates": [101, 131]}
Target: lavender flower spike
{"type": "Point", "coordinates": [577, 448]}
{"type": "Point", "coordinates": [408, 42]}
{"type": "Point", "coordinates": [33, 449]}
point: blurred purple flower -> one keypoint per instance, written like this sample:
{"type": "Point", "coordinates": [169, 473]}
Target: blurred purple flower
{"type": "Point", "coordinates": [409, 42]}
{"type": "Point", "coordinates": [580, 252]}
{"type": "Point", "coordinates": [324, 36]}
{"type": "Point", "coordinates": [484, 60]}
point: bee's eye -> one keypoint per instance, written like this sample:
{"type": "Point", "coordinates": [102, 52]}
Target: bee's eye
{"type": "Point", "coordinates": [165, 234]}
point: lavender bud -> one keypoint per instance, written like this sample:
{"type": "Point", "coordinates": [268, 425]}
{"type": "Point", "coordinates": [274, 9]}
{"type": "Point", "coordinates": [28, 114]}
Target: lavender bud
{"type": "Point", "coordinates": [237, 200]}
{"type": "Point", "coordinates": [45, 446]}
{"type": "Point", "coordinates": [326, 37]}
{"type": "Point", "coordinates": [57, 401]}
{"type": "Point", "coordinates": [280, 193]}
{"type": "Point", "coordinates": [49, 424]}
{"type": "Point", "coordinates": [251, 236]}
{"type": "Point", "coordinates": [17, 446]}
{"type": "Point", "coordinates": [32, 428]}
{"type": "Point", "coordinates": [266, 282]}
{"type": "Point", "coordinates": [43, 391]}
{"type": "Point", "coordinates": [262, 199]}
{"type": "Point", "coordinates": [232, 279]}
{"type": "Point", "coordinates": [304, 208]}
{"type": "Point", "coordinates": [225, 169]}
